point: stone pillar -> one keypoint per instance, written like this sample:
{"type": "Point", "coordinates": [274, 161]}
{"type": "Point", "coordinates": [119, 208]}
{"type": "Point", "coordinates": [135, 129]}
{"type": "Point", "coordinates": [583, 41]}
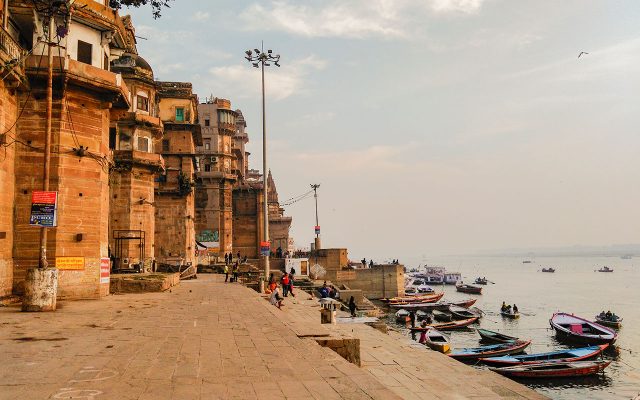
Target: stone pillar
{"type": "Point", "coordinates": [41, 286]}
{"type": "Point", "coordinates": [317, 243]}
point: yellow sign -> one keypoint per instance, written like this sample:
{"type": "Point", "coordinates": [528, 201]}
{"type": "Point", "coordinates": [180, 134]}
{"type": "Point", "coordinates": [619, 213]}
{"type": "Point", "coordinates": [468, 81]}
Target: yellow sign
{"type": "Point", "coordinates": [73, 263]}
{"type": "Point", "coordinates": [213, 250]}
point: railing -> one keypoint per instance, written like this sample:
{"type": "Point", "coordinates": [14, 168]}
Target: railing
{"type": "Point", "coordinates": [9, 46]}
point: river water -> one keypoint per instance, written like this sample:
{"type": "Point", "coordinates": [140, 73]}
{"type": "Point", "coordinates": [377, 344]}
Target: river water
{"type": "Point", "coordinates": [575, 288]}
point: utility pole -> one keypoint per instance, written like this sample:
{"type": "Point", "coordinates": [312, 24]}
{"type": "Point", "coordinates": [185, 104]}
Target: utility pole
{"type": "Point", "coordinates": [262, 59]}
{"type": "Point", "coordinates": [315, 187]}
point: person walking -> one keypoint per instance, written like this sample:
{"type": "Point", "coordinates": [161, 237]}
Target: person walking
{"type": "Point", "coordinates": [412, 318]}
{"type": "Point", "coordinates": [226, 272]}
{"type": "Point", "coordinates": [226, 259]}
{"type": "Point", "coordinates": [291, 284]}
{"type": "Point", "coordinates": [285, 284]}
{"type": "Point", "coordinates": [352, 306]}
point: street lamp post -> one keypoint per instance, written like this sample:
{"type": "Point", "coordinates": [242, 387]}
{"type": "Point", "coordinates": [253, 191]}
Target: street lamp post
{"type": "Point", "coordinates": [260, 59]}
{"type": "Point", "coordinates": [317, 227]}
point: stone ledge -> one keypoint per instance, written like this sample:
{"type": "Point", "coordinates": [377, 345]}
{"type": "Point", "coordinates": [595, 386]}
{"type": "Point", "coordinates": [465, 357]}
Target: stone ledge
{"type": "Point", "coordinates": [143, 283]}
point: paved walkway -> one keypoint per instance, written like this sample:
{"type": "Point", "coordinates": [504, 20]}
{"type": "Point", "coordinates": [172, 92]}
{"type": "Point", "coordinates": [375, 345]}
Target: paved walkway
{"type": "Point", "coordinates": [210, 340]}
{"type": "Point", "coordinates": [202, 340]}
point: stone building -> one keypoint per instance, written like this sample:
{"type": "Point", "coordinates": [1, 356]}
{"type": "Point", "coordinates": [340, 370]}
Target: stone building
{"type": "Point", "coordinates": [279, 224]}
{"type": "Point", "coordinates": [215, 180]}
{"type": "Point", "coordinates": [84, 94]}
{"type": "Point", "coordinates": [174, 201]}
{"type": "Point", "coordinates": [132, 138]}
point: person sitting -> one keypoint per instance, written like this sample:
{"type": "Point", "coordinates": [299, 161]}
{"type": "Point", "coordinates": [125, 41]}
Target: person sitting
{"type": "Point", "coordinates": [423, 334]}
{"type": "Point", "coordinates": [508, 309]}
{"type": "Point", "coordinates": [275, 298]}
{"type": "Point", "coordinates": [608, 314]}
{"type": "Point", "coordinates": [515, 309]}
{"type": "Point", "coordinates": [324, 291]}
{"type": "Point", "coordinates": [504, 306]}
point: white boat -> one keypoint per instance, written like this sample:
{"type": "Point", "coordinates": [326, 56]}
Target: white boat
{"type": "Point", "coordinates": [450, 278]}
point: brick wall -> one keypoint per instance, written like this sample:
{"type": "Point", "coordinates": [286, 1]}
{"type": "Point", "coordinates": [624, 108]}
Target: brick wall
{"type": "Point", "coordinates": [8, 114]}
{"type": "Point", "coordinates": [82, 183]}
{"type": "Point", "coordinates": [175, 234]}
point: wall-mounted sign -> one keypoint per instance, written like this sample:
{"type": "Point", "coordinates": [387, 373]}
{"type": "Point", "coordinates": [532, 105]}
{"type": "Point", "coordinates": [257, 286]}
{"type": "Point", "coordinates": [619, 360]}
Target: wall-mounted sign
{"type": "Point", "coordinates": [70, 263]}
{"type": "Point", "coordinates": [317, 229]}
{"type": "Point", "coordinates": [265, 248]}
{"type": "Point", "coordinates": [105, 270]}
{"type": "Point", "coordinates": [44, 207]}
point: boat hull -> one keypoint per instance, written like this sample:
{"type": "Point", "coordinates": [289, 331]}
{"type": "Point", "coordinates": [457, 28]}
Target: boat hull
{"type": "Point", "coordinates": [506, 349]}
{"type": "Point", "coordinates": [551, 370]}
{"type": "Point", "coordinates": [571, 355]}
{"type": "Point", "coordinates": [447, 326]}
{"type": "Point", "coordinates": [469, 289]}
{"type": "Point", "coordinates": [610, 324]}
{"type": "Point", "coordinates": [510, 315]}
{"type": "Point", "coordinates": [494, 337]}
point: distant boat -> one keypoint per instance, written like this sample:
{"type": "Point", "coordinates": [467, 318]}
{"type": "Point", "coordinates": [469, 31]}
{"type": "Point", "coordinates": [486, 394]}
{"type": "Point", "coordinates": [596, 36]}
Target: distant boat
{"type": "Point", "coordinates": [510, 314]}
{"type": "Point", "coordinates": [605, 269]}
{"type": "Point", "coordinates": [480, 281]}
{"type": "Point", "coordinates": [437, 341]}
{"type": "Point", "coordinates": [627, 257]}
{"type": "Point", "coordinates": [526, 262]}
{"type": "Point", "coordinates": [554, 369]}
{"type": "Point", "coordinates": [552, 270]}
{"type": "Point", "coordinates": [490, 350]}
{"type": "Point", "coordinates": [612, 321]}
{"type": "Point", "coordinates": [576, 329]}
{"type": "Point", "coordinates": [495, 337]}
{"type": "Point", "coordinates": [568, 355]}
{"type": "Point", "coordinates": [468, 289]}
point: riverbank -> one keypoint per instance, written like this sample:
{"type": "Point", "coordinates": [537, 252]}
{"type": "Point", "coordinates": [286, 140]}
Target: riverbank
{"type": "Point", "coordinates": [206, 340]}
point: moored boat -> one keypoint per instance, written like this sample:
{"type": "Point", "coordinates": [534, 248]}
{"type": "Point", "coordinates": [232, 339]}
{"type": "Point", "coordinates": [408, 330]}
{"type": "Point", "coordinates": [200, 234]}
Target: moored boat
{"type": "Point", "coordinates": [552, 270]}
{"type": "Point", "coordinates": [554, 369]}
{"type": "Point", "coordinates": [428, 298]}
{"type": "Point", "coordinates": [464, 288]}
{"type": "Point", "coordinates": [442, 306]}
{"type": "Point", "coordinates": [402, 316]}
{"type": "Point", "coordinates": [420, 315]}
{"type": "Point", "coordinates": [441, 316]}
{"type": "Point", "coordinates": [437, 341]}
{"type": "Point", "coordinates": [495, 337]}
{"type": "Point", "coordinates": [490, 350]}
{"type": "Point", "coordinates": [576, 329]}
{"type": "Point", "coordinates": [568, 355]}
{"type": "Point", "coordinates": [447, 326]}
{"type": "Point", "coordinates": [458, 312]}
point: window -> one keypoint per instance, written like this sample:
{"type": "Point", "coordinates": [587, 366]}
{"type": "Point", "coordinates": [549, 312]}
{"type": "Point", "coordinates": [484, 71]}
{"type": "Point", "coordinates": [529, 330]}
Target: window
{"type": "Point", "coordinates": [207, 168]}
{"type": "Point", "coordinates": [112, 138]}
{"type": "Point", "coordinates": [179, 114]}
{"type": "Point", "coordinates": [165, 145]}
{"type": "Point", "coordinates": [143, 103]}
{"type": "Point", "coordinates": [144, 144]}
{"type": "Point", "coordinates": [207, 122]}
{"type": "Point", "coordinates": [84, 52]}
{"type": "Point", "coordinates": [207, 145]}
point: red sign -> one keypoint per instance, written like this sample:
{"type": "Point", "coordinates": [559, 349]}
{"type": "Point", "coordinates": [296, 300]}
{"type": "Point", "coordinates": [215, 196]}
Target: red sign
{"type": "Point", "coordinates": [105, 270]}
{"type": "Point", "coordinates": [317, 229]}
{"type": "Point", "coordinates": [265, 248]}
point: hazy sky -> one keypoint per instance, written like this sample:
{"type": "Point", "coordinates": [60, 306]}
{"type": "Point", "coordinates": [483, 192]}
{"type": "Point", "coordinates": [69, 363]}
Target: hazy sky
{"type": "Point", "coordinates": [433, 126]}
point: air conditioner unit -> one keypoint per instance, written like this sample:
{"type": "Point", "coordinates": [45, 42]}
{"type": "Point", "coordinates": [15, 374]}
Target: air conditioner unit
{"type": "Point", "coordinates": [214, 159]}
{"type": "Point", "coordinates": [125, 261]}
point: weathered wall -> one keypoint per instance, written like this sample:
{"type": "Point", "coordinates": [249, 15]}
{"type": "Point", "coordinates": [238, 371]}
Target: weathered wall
{"type": "Point", "coordinates": [247, 222]}
{"type": "Point", "coordinates": [81, 182]}
{"type": "Point", "coordinates": [8, 114]}
{"type": "Point", "coordinates": [332, 260]}
{"type": "Point", "coordinates": [175, 235]}
{"type": "Point", "coordinates": [377, 282]}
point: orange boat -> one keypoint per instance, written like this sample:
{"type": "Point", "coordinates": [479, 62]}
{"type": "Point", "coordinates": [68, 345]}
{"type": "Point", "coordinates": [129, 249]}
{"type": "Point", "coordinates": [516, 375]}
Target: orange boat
{"type": "Point", "coordinates": [431, 298]}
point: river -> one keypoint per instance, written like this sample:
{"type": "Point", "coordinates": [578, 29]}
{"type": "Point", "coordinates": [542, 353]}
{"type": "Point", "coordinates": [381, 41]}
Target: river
{"type": "Point", "coordinates": [575, 288]}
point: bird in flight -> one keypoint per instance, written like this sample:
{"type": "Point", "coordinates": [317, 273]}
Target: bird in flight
{"type": "Point", "coordinates": [581, 53]}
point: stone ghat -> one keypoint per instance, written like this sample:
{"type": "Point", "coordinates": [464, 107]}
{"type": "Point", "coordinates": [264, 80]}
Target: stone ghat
{"type": "Point", "coordinates": [143, 283]}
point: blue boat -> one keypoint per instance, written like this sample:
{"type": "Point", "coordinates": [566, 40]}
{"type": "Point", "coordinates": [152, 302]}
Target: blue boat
{"type": "Point", "coordinates": [569, 355]}
{"type": "Point", "coordinates": [491, 350]}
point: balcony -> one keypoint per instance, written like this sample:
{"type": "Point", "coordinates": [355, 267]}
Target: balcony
{"type": "Point", "coordinates": [216, 175]}
{"type": "Point", "coordinates": [152, 161]}
{"type": "Point", "coordinates": [11, 54]}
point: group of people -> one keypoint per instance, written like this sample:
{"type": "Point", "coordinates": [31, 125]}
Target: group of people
{"type": "Point", "coordinates": [328, 291]}
{"type": "Point", "coordinates": [235, 271]}
{"type": "Point", "coordinates": [228, 258]}
{"type": "Point", "coordinates": [286, 281]}
{"type": "Point", "coordinates": [608, 316]}
{"type": "Point", "coordinates": [506, 308]}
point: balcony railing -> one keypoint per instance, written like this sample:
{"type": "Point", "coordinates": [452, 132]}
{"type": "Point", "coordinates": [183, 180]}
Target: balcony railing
{"type": "Point", "coordinates": [9, 46]}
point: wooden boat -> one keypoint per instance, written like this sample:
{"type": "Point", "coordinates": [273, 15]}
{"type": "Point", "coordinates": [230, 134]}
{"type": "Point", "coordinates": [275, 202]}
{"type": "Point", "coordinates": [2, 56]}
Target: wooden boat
{"type": "Point", "coordinates": [447, 326]}
{"type": "Point", "coordinates": [442, 316]}
{"type": "Point", "coordinates": [463, 313]}
{"type": "Point", "coordinates": [572, 328]}
{"type": "Point", "coordinates": [510, 314]}
{"type": "Point", "coordinates": [442, 306]}
{"type": "Point", "coordinates": [526, 262]}
{"type": "Point", "coordinates": [481, 281]}
{"type": "Point", "coordinates": [614, 321]}
{"type": "Point", "coordinates": [605, 269]}
{"type": "Point", "coordinates": [468, 289]}
{"type": "Point", "coordinates": [490, 350]}
{"type": "Point", "coordinates": [568, 355]}
{"type": "Point", "coordinates": [420, 315]}
{"type": "Point", "coordinates": [552, 270]}
{"type": "Point", "coordinates": [429, 298]}
{"type": "Point", "coordinates": [554, 369]}
{"type": "Point", "coordinates": [402, 316]}
{"type": "Point", "coordinates": [437, 341]}
{"type": "Point", "coordinates": [495, 337]}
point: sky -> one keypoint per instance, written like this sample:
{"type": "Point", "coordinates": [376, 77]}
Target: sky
{"type": "Point", "coordinates": [433, 127]}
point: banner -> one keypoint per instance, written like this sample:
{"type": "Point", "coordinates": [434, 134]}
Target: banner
{"type": "Point", "coordinates": [105, 270]}
{"type": "Point", "coordinates": [70, 263]}
{"type": "Point", "coordinates": [265, 248]}
{"type": "Point", "coordinates": [317, 229]}
{"type": "Point", "coordinates": [44, 207]}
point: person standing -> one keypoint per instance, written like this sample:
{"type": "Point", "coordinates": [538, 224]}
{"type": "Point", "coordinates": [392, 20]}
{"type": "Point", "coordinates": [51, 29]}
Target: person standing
{"type": "Point", "coordinates": [226, 272]}
{"type": "Point", "coordinates": [352, 306]}
{"type": "Point", "coordinates": [285, 284]}
{"type": "Point", "coordinates": [235, 271]}
{"type": "Point", "coordinates": [226, 259]}
{"type": "Point", "coordinates": [371, 263]}
{"type": "Point", "coordinates": [291, 284]}
{"type": "Point", "coordinates": [412, 318]}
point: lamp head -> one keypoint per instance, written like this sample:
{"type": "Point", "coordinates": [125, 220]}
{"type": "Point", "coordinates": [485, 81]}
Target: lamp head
{"type": "Point", "coordinates": [255, 65]}
{"type": "Point", "coordinates": [257, 51]}
{"type": "Point", "coordinates": [248, 53]}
